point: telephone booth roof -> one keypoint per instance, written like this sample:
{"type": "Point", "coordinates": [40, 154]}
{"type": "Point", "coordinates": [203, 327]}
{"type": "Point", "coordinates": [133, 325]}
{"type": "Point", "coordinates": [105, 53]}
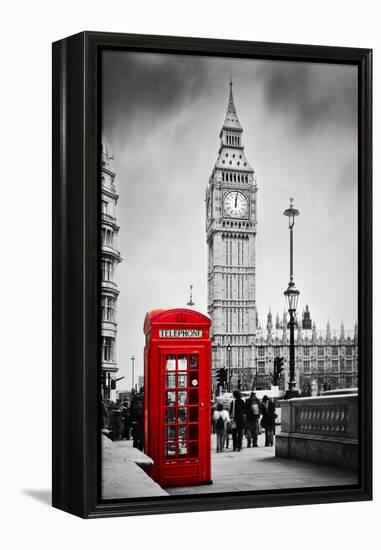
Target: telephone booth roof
{"type": "Point", "coordinates": [176, 316]}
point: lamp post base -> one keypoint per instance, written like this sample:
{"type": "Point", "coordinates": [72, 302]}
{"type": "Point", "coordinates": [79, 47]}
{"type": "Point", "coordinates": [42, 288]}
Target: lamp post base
{"type": "Point", "coordinates": [290, 394]}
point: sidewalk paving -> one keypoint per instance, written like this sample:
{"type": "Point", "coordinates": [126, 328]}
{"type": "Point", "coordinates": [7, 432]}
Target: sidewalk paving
{"type": "Point", "coordinates": [258, 469]}
{"type": "Point", "coordinates": [254, 469]}
{"type": "Point", "coordinates": [122, 474]}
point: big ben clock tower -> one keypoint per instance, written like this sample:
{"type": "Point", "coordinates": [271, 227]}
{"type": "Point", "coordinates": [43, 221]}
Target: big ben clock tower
{"type": "Point", "coordinates": [231, 230]}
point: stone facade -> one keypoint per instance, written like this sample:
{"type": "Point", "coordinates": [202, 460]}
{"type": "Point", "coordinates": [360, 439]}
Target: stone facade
{"type": "Point", "coordinates": [231, 228]}
{"type": "Point", "coordinates": [329, 357]}
{"type": "Point", "coordinates": [110, 257]}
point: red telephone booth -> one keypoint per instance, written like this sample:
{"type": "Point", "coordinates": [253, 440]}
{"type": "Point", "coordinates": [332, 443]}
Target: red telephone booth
{"type": "Point", "coordinates": [177, 390]}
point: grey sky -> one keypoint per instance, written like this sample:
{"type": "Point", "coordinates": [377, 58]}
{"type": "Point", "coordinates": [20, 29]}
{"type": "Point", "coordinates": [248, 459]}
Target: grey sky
{"type": "Point", "coordinates": [161, 118]}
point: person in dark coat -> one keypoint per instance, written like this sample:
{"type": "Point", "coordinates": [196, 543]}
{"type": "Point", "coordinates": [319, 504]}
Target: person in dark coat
{"type": "Point", "coordinates": [126, 420]}
{"type": "Point", "coordinates": [116, 420]}
{"type": "Point", "coordinates": [252, 407]}
{"type": "Point", "coordinates": [137, 419]}
{"type": "Point", "coordinates": [268, 420]}
{"type": "Point", "coordinates": [237, 415]}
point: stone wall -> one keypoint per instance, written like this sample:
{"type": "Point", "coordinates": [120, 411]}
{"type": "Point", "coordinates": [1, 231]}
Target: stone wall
{"type": "Point", "coordinates": [320, 429]}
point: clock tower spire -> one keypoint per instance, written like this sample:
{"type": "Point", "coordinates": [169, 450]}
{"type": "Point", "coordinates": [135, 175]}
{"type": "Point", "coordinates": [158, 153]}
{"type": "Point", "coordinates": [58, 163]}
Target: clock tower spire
{"type": "Point", "coordinates": [231, 227]}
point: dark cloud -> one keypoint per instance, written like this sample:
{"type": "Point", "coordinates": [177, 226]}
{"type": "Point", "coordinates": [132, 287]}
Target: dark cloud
{"type": "Point", "coordinates": [311, 94]}
{"type": "Point", "coordinates": [137, 86]}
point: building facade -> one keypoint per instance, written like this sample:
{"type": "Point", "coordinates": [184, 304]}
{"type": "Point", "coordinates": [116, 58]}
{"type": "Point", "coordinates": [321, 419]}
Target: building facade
{"type": "Point", "coordinates": [110, 258]}
{"type": "Point", "coordinates": [328, 357]}
{"type": "Point", "coordinates": [231, 227]}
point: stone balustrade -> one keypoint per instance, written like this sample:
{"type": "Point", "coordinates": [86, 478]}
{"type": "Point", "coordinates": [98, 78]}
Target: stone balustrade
{"type": "Point", "coordinates": [320, 429]}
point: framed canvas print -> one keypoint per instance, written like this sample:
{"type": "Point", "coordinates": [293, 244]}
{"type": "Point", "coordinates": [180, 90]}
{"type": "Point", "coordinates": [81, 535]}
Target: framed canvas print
{"type": "Point", "coordinates": [212, 274]}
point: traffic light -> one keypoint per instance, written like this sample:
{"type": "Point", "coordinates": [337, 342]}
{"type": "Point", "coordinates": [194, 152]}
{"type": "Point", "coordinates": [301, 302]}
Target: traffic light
{"type": "Point", "coordinates": [218, 377]}
{"type": "Point", "coordinates": [221, 376]}
{"type": "Point", "coordinates": [278, 369]}
{"type": "Point", "coordinates": [103, 378]}
{"type": "Point", "coordinates": [224, 376]}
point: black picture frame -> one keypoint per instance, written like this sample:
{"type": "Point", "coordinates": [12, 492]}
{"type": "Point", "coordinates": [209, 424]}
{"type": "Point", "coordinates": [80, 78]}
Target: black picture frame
{"type": "Point", "coordinates": [76, 147]}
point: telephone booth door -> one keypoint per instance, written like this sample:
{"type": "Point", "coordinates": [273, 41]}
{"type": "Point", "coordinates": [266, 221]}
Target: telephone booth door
{"type": "Point", "coordinates": [179, 442]}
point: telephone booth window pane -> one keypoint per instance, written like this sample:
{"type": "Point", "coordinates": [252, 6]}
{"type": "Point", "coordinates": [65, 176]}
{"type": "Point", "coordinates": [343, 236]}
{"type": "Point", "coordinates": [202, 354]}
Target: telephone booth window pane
{"type": "Point", "coordinates": [193, 449]}
{"type": "Point", "coordinates": [171, 380]}
{"type": "Point", "coordinates": [182, 432]}
{"type": "Point", "coordinates": [170, 432]}
{"type": "Point", "coordinates": [182, 381]}
{"type": "Point", "coordinates": [171, 362]}
{"type": "Point", "coordinates": [193, 397]}
{"type": "Point", "coordinates": [182, 398]}
{"type": "Point", "coordinates": [193, 431]}
{"type": "Point", "coordinates": [182, 414]}
{"type": "Point", "coordinates": [194, 379]}
{"type": "Point", "coordinates": [171, 398]}
{"type": "Point", "coordinates": [182, 362]}
{"type": "Point", "coordinates": [194, 361]}
{"type": "Point", "coordinates": [193, 414]}
{"type": "Point", "coordinates": [170, 415]}
{"type": "Point", "coordinates": [170, 449]}
{"type": "Point", "coordinates": [182, 449]}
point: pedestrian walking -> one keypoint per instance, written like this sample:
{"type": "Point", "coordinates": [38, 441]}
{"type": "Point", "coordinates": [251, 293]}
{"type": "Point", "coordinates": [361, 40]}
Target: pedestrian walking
{"type": "Point", "coordinates": [252, 407]}
{"type": "Point", "coordinates": [126, 420]}
{"type": "Point", "coordinates": [116, 420]}
{"type": "Point", "coordinates": [268, 420]}
{"type": "Point", "coordinates": [137, 419]}
{"type": "Point", "coordinates": [220, 422]}
{"type": "Point", "coordinates": [237, 423]}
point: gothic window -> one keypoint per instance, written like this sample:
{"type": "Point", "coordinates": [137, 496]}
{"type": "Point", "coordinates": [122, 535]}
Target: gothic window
{"type": "Point", "coordinates": [306, 366]}
{"type": "Point", "coordinates": [306, 351]}
{"type": "Point", "coordinates": [231, 255]}
{"type": "Point", "coordinates": [335, 351]}
{"type": "Point", "coordinates": [320, 366]}
{"type": "Point", "coordinates": [261, 351]}
{"type": "Point", "coordinates": [348, 364]}
{"type": "Point", "coordinates": [335, 365]}
{"type": "Point", "coordinates": [261, 367]}
{"type": "Point", "coordinates": [320, 350]}
{"type": "Point", "coordinates": [348, 351]}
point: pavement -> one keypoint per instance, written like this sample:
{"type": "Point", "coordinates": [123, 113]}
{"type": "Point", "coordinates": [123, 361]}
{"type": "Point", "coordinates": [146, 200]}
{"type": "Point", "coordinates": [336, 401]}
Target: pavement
{"type": "Point", "coordinates": [258, 469]}
{"type": "Point", "coordinates": [254, 469]}
{"type": "Point", "coordinates": [122, 472]}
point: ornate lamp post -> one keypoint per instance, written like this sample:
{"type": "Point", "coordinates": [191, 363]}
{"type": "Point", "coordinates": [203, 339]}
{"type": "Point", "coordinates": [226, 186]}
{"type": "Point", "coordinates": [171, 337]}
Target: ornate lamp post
{"type": "Point", "coordinates": [191, 302]}
{"type": "Point", "coordinates": [229, 350]}
{"type": "Point", "coordinates": [292, 295]}
{"type": "Point", "coordinates": [133, 372]}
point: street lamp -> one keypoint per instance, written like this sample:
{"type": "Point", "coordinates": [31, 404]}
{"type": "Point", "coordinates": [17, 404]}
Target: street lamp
{"type": "Point", "coordinates": [133, 372]}
{"type": "Point", "coordinates": [291, 295]}
{"type": "Point", "coordinates": [191, 302]}
{"type": "Point", "coordinates": [229, 349]}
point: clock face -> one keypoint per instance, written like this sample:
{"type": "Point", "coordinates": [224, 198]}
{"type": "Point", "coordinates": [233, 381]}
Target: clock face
{"type": "Point", "coordinates": [235, 204]}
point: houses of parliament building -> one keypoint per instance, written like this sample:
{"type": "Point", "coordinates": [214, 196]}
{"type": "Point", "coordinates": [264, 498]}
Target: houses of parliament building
{"type": "Point", "coordinates": [239, 341]}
